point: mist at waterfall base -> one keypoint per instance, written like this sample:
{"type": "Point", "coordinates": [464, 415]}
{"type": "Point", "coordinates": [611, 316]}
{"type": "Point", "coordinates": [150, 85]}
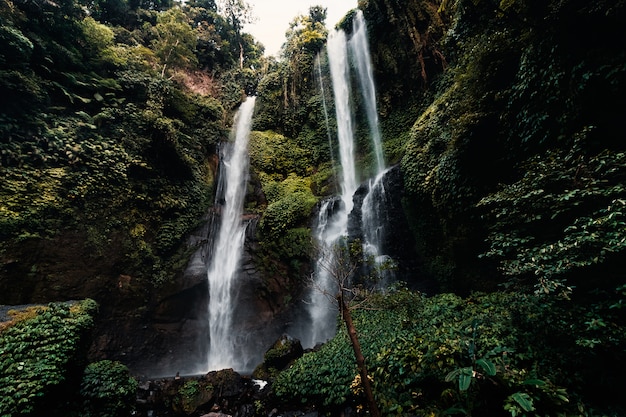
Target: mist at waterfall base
{"type": "Point", "coordinates": [334, 213]}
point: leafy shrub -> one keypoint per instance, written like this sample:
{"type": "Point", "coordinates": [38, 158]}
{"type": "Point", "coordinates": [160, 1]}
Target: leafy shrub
{"type": "Point", "coordinates": [108, 389]}
{"type": "Point", "coordinates": [489, 354]}
{"type": "Point", "coordinates": [38, 353]}
{"type": "Point", "coordinates": [288, 212]}
{"type": "Point", "coordinates": [271, 152]}
{"type": "Point", "coordinates": [575, 200]}
{"type": "Point", "coordinates": [17, 48]}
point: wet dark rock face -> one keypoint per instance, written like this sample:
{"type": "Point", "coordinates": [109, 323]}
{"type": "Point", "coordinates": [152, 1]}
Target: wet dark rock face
{"type": "Point", "coordinates": [217, 393]}
{"type": "Point", "coordinates": [397, 241]}
{"type": "Point", "coordinates": [179, 322]}
{"type": "Point", "coordinates": [223, 393]}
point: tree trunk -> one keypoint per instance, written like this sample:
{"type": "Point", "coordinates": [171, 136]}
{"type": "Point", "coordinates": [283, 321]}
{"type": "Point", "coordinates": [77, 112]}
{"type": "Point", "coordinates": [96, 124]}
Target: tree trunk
{"type": "Point", "coordinates": [360, 359]}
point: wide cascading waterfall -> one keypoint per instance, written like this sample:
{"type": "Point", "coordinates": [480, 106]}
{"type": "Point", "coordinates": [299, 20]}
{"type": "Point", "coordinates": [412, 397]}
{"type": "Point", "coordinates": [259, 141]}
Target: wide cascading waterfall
{"type": "Point", "coordinates": [228, 245]}
{"type": "Point", "coordinates": [359, 47]}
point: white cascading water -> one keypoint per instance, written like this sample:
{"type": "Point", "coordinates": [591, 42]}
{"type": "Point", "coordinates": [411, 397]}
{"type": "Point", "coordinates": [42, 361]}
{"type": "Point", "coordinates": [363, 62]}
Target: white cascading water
{"type": "Point", "coordinates": [374, 218]}
{"type": "Point", "coordinates": [227, 252]}
{"type": "Point", "coordinates": [340, 75]}
{"type": "Point", "coordinates": [332, 223]}
{"type": "Point", "coordinates": [359, 47]}
{"type": "Point", "coordinates": [372, 210]}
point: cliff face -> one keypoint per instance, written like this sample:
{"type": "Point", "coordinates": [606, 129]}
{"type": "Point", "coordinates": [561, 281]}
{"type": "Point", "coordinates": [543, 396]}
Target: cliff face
{"type": "Point", "coordinates": [395, 239]}
{"type": "Point", "coordinates": [507, 159]}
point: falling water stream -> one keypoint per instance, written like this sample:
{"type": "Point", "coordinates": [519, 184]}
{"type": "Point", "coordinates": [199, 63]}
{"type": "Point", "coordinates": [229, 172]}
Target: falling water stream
{"type": "Point", "coordinates": [361, 52]}
{"type": "Point", "coordinates": [320, 79]}
{"type": "Point", "coordinates": [339, 71]}
{"type": "Point", "coordinates": [372, 210]}
{"type": "Point", "coordinates": [227, 252]}
{"type": "Point", "coordinates": [332, 222]}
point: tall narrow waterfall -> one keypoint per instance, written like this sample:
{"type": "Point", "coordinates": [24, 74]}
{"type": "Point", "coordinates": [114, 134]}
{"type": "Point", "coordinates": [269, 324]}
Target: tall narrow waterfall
{"type": "Point", "coordinates": [332, 221]}
{"type": "Point", "coordinates": [372, 211]}
{"type": "Point", "coordinates": [228, 247]}
{"type": "Point", "coordinates": [339, 71]}
{"type": "Point", "coordinates": [359, 47]}
{"type": "Point", "coordinates": [320, 79]}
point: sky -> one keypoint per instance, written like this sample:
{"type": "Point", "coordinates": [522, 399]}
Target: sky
{"type": "Point", "coordinates": [273, 18]}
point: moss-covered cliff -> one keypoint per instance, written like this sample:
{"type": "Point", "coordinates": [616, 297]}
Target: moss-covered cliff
{"type": "Point", "coordinates": [108, 135]}
{"type": "Point", "coordinates": [514, 167]}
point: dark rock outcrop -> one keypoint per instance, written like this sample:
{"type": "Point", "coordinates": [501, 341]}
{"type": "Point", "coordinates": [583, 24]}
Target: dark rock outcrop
{"type": "Point", "coordinates": [279, 357]}
{"type": "Point", "coordinates": [222, 392]}
{"type": "Point", "coordinates": [397, 241]}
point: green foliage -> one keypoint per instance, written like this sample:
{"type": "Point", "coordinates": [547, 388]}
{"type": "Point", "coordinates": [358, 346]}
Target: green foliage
{"type": "Point", "coordinates": [288, 212]}
{"type": "Point", "coordinates": [120, 152]}
{"type": "Point", "coordinates": [322, 377]}
{"type": "Point", "coordinates": [108, 389]}
{"type": "Point", "coordinates": [286, 90]}
{"type": "Point", "coordinates": [485, 354]}
{"type": "Point", "coordinates": [192, 394]}
{"type": "Point", "coordinates": [38, 354]}
{"type": "Point", "coordinates": [407, 53]}
{"type": "Point", "coordinates": [17, 48]}
{"type": "Point", "coordinates": [284, 169]}
{"type": "Point", "coordinates": [98, 37]}
{"type": "Point", "coordinates": [577, 197]}
{"type": "Point", "coordinates": [514, 105]}
{"type": "Point", "coordinates": [274, 153]}
{"type": "Point", "coordinates": [174, 40]}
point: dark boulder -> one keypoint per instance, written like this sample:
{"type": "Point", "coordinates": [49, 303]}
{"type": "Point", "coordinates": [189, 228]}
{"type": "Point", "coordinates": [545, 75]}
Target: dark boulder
{"type": "Point", "coordinates": [223, 392]}
{"type": "Point", "coordinates": [279, 357]}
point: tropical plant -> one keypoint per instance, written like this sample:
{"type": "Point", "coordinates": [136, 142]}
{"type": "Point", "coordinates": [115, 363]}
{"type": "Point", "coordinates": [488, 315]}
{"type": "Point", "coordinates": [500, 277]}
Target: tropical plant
{"type": "Point", "coordinates": [174, 40]}
{"type": "Point", "coordinates": [107, 390]}
{"type": "Point", "coordinates": [39, 353]}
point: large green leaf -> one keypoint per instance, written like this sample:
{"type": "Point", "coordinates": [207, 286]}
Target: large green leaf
{"type": "Point", "coordinates": [523, 400]}
{"type": "Point", "coordinates": [487, 366]}
{"type": "Point", "coordinates": [535, 382]}
{"type": "Point", "coordinates": [465, 378]}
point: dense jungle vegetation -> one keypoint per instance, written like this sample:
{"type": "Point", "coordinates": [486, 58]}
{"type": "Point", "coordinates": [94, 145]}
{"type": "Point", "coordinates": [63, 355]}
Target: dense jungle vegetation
{"type": "Point", "coordinates": [504, 116]}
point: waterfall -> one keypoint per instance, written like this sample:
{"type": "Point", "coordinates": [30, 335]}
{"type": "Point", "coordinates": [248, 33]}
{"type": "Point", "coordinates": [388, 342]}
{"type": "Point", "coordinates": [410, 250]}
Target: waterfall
{"type": "Point", "coordinates": [332, 222]}
{"type": "Point", "coordinates": [361, 52]}
{"type": "Point", "coordinates": [337, 46]}
{"type": "Point", "coordinates": [372, 211]}
{"type": "Point", "coordinates": [374, 218]}
{"type": "Point", "coordinates": [228, 247]}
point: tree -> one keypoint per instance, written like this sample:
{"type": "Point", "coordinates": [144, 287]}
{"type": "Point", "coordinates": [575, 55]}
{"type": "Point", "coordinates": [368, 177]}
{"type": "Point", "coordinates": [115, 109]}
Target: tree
{"type": "Point", "coordinates": [205, 4]}
{"type": "Point", "coordinates": [97, 36]}
{"type": "Point", "coordinates": [341, 262]}
{"type": "Point", "coordinates": [175, 40]}
{"type": "Point", "coordinates": [318, 14]}
{"type": "Point", "coordinates": [237, 13]}
{"type": "Point", "coordinates": [112, 12]}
